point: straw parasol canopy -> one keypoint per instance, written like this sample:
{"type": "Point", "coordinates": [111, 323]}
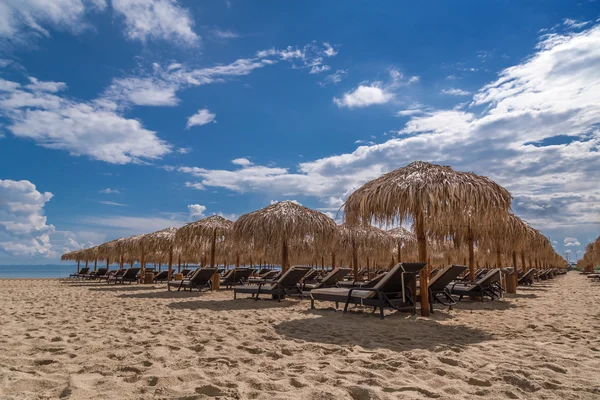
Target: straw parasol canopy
{"type": "Point", "coordinates": [206, 230]}
{"type": "Point", "coordinates": [403, 238]}
{"type": "Point", "coordinates": [159, 241]}
{"type": "Point", "coordinates": [365, 238]}
{"type": "Point", "coordinates": [285, 223]}
{"type": "Point", "coordinates": [426, 192]}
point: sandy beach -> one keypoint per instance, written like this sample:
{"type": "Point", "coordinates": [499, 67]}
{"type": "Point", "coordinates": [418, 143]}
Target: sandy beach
{"type": "Point", "coordinates": [94, 341]}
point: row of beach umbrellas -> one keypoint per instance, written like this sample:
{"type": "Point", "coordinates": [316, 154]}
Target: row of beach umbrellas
{"type": "Point", "coordinates": [591, 257]}
{"type": "Point", "coordinates": [455, 217]}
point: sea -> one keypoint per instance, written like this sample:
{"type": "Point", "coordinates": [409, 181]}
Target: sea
{"type": "Point", "coordinates": [37, 271]}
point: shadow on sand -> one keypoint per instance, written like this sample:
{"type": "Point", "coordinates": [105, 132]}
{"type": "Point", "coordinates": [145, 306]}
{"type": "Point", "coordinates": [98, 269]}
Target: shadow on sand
{"type": "Point", "coordinates": [398, 332]}
{"type": "Point", "coordinates": [123, 288]}
{"type": "Point", "coordinates": [164, 294]}
{"type": "Point", "coordinates": [231, 305]}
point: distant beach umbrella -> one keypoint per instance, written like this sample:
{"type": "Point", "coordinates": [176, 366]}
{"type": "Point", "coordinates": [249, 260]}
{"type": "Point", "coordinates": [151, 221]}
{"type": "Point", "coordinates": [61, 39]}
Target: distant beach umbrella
{"type": "Point", "coordinates": [426, 192]}
{"type": "Point", "coordinates": [285, 224]}
{"type": "Point", "coordinates": [162, 241]}
{"type": "Point", "coordinates": [403, 239]}
{"type": "Point", "coordinates": [352, 239]}
{"type": "Point", "coordinates": [207, 230]}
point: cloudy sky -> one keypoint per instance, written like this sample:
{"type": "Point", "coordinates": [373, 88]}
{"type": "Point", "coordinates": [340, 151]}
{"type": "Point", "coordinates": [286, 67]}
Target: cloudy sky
{"type": "Point", "coordinates": [125, 116]}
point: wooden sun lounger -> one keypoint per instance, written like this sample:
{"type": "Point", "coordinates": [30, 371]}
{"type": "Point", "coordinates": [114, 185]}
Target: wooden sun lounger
{"type": "Point", "coordinates": [129, 275]}
{"type": "Point", "coordinates": [81, 273]}
{"type": "Point", "coordinates": [438, 285]}
{"type": "Point", "coordinates": [481, 288]}
{"type": "Point", "coordinates": [527, 278]}
{"type": "Point", "coordinates": [392, 291]}
{"type": "Point", "coordinates": [201, 279]}
{"type": "Point", "coordinates": [287, 284]}
{"type": "Point", "coordinates": [329, 280]}
{"type": "Point", "coordinates": [235, 277]}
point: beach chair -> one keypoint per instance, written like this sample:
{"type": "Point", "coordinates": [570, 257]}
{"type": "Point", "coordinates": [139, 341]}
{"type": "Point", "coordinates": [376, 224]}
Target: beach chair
{"type": "Point", "coordinates": [96, 274]}
{"type": "Point", "coordinates": [129, 275]}
{"type": "Point", "coordinates": [287, 284]}
{"type": "Point", "coordinates": [200, 279]}
{"type": "Point", "coordinates": [81, 273]}
{"type": "Point", "coordinates": [527, 278]}
{"type": "Point", "coordinates": [438, 285]}
{"type": "Point", "coordinates": [483, 287]}
{"type": "Point", "coordinates": [366, 284]}
{"type": "Point", "coordinates": [162, 276]}
{"type": "Point", "coordinates": [392, 291]}
{"type": "Point", "coordinates": [329, 280]}
{"type": "Point", "coordinates": [235, 277]}
{"type": "Point", "coordinates": [270, 275]}
{"type": "Point", "coordinates": [311, 276]}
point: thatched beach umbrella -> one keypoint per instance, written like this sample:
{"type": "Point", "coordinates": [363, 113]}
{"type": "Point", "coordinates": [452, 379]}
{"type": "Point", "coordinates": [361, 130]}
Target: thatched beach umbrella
{"type": "Point", "coordinates": [403, 238]}
{"type": "Point", "coordinates": [160, 241]}
{"type": "Point", "coordinates": [352, 238]}
{"type": "Point", "coordinates": [285, 223]}
{"type": "Point", "coordinates": [425, 192]}
{"type": "Point", "coordinates": [203, 231]}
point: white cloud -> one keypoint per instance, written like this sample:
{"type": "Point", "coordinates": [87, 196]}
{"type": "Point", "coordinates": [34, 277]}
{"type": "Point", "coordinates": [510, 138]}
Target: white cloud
{"type": "Point", "coordinates": [24, 230]}
{"type": "Point", "coordinates": [112, 203]}
{"type": "Point", "coordinates": [571, 241]}
{"type": "Point", "coordinates": [52, 87]}
{"type": "Point", "coordinates": [244, 162]}
{"type": "Point", "coordinates": [455, 92]}
{"type": "Point", "coordinates": [156, 19]}
{"type": "Point", "coordinates": [184, 150]}
{"type": "Point", "coordinates": [109, 191]}
{"type": "Point", "coordinates": [506, 134]}
{"type": "Point", "coordinates": [292, 201]}
{"type": "Point", "coordinates": [195, 185]}
{"type": "Point", "coordinates": [121, 225]}
{"type": "Point", "coordinates": [93, 129]}
{"type": "Point", "coordinates": [334, 78]}
{"type": "Point", "coordinates": [224, 34]}
{"type": "Point", "coordinates": [363, 96]}
{"type": "Point", "coordinates": [196, 210]}
{"type": "Point", "coordinates": [8, 86]}
{"type": "Point", "coordinates": [202, 117]}
{"type": "Point", "coordinates": [317, 69]}
{"type": "Point", "coordinates": [329, 50]}
{"type": "Point", "coordinates": [25, 20]}
{"type": "Point", "coordinates": [143, 92]}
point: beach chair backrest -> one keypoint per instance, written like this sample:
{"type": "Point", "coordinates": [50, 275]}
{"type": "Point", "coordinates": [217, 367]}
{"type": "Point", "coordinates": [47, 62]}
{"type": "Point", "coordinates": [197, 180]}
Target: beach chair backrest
{"type": "Point", "coordinates": [131, 272]}
{"type": "Point", "coordinates": [101, 271]}
{"type": "Point", "coordinates": [292, 276]}
{"type": "Point", "coordinates": [84, 271]}
{"type": "Point", "coordinates": [310, 275]}
{"type": "Point", "coordinates": [392, 282]}
{"type": "Point", "coordinates": [444, 277]}
{"type": "Point", "coordinates": [270, 274]}
{"type": "Point", "coordinates": [489, 278]}
{"type": "Point", "coordinates": [334, 277]}
{"type": "Point", "coordinates": [202, 275]}
{"type": "Point", "coordinates": [264, 271]}
{"type": "Point", "coordinates": [242, 274]}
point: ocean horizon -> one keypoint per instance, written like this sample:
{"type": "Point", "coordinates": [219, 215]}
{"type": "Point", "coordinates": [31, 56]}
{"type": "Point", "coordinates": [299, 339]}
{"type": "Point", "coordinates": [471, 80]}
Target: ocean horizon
{"type": "Point", "coordinates": [37, 271]}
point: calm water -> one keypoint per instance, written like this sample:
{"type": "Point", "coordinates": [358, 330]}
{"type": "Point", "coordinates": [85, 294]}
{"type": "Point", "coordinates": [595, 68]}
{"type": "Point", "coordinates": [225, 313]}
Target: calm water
{"type": "Point", "coordinates": [37, 271]}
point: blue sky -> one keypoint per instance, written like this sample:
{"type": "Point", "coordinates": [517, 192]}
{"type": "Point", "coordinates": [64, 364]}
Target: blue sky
{"type": "Point", "coordinates": [125, 116]}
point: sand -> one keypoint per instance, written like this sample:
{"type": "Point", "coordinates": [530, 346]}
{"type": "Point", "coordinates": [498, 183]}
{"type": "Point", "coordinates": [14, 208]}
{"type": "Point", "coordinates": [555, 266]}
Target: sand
{"type": "Point", "coordinates": [93, 341]}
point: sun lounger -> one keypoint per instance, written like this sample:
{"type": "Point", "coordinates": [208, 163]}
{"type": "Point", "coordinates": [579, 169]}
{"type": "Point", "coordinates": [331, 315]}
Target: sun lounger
{"type": "Point", "coordinates": [392, 291]}
{"type": "Point", "coordinates": [527, 278]}
{"type": "Point", "coordinates": [236, 276]}
{"type": "Point", "coordinates": [96, 274]}
{"type": "Point", "coordinates": [311, 276]}
{"type": "Point", "coordinates": [287, 284]}
{"type": "Point", "coordinates": [438, 285]}
{"type": "Point", "coordinates": [366, 284]}
{"type": "Point", "coordinates": [329, 280]}
{"type": "Point", "coordinates": [271, 275]}
{"type": "Point", "coordinates": [81, 273]}
{"type": "Point", "coordinates": [200, 279]}
{"type": "Point", "coordinates": [162, 276]}
{"type": "Point", "coordinates": [129, 275]}
{"type": "Point", "coordinates": [483, 287]}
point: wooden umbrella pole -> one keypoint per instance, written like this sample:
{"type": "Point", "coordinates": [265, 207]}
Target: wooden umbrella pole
{"type": "Point", "coordinates": [523, 261]}
{"type": "Point", "coordinates": [284, 255]}
{"type": "Point", "coordinates": [86, 264]}
{"type": "Point", "coordinates": [332, 261]}
{"type": "Point", "coordinates": [216, 279]}
{"type": "Point", "coordinates": [498, 259]}
{"type": "Point", "coordinates": [237, 260]}
{"type": "Point", "coordinates": [95, 264]}
{"type": "Point", "coordinates": [354, 260]}
{"type": "Point", "coordinates": [471, 255]}
{"type": "Point", "coordinates": [399, 252]}
{"type": "Point", "coordinates": [107, 262]}
{"type": "Point", "coordinates": [179, 264]}
{"type": "Point", "coordinates": [143, 267]}
{"type": "Point", "coordinates": [78, 269]}
{"type": "Point", "coordinates": [170, 270]}
{"type": "Point", "coordinates": [121, 261]}
{"type": "Point", "coordinates": [368, 269]}
{"type": "Point", "coordinates": [422, 248]}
